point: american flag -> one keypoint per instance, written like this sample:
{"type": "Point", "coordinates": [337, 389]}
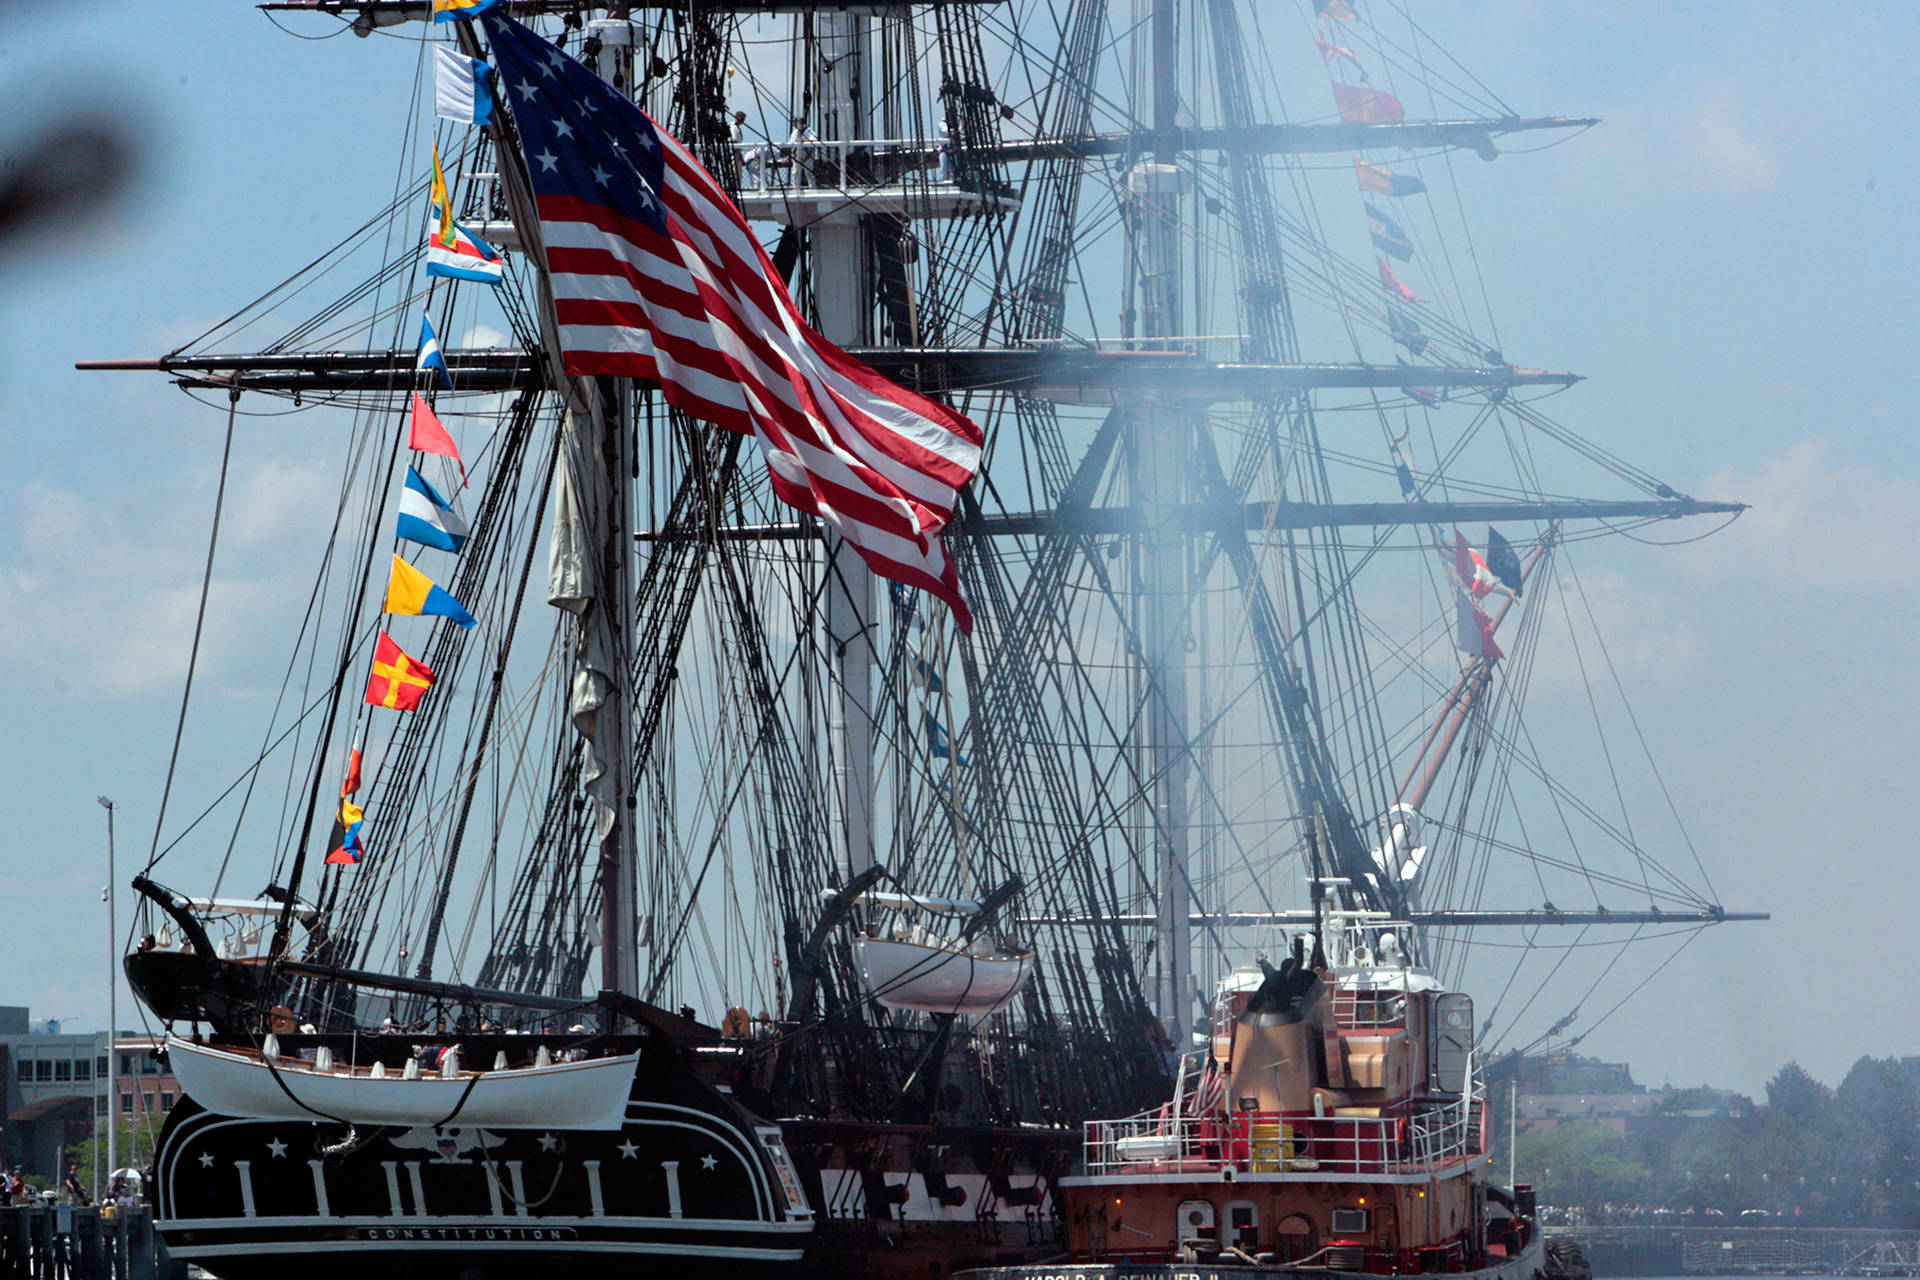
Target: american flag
{"type": "Point", "coordinates": [1209, 1091]}
{"type": "Point", "coordinates": [656, 275]}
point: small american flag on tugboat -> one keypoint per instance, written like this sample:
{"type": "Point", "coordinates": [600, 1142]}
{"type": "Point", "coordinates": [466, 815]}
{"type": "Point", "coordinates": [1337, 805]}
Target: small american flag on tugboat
{"type": "Point", "coordinates": [1209, 1091]}
{"type": "Point", "coordinates": [656, 275]}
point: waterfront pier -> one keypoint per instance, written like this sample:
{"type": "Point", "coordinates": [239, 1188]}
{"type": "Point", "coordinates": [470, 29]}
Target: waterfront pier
{"type": "Point", "coordinates": [1745, 1251]}
{"type": "Point", "coordinates": [61, 1242]}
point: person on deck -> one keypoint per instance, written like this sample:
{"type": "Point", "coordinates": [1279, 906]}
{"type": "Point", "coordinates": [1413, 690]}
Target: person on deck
{"type": "Point", "coordinates": [749, 156]}
{"type": "Point", "coordinates": [800, 152]}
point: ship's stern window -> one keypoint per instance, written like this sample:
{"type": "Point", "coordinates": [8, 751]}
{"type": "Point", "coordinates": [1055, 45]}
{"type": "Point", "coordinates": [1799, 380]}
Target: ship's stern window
{"type": "Point", "coordinates": [1349, 1222]}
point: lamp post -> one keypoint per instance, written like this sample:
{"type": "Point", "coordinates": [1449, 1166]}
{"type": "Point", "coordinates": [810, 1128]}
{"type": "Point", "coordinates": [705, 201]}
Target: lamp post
{"type": "Point", "coordinates": [113, 1011]}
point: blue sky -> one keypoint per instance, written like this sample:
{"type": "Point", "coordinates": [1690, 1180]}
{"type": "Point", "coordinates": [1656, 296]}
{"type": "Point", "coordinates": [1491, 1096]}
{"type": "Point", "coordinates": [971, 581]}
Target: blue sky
{"type": "Point", "coordinates": [1725, 259]}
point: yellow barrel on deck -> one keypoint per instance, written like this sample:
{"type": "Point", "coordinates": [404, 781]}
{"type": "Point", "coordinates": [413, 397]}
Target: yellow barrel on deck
{"type": "Point", "coordinates": [1272, 1143]}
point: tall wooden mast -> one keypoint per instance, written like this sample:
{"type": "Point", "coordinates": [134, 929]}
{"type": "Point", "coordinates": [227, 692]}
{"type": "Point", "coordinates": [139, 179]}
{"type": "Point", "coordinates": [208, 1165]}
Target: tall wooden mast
{"type": "Point", "coordinates": [597, 419]}
{"type": "Point", "coordinates": [835, 53]}
{"type": "Point", "coordinates": [1163, 437]}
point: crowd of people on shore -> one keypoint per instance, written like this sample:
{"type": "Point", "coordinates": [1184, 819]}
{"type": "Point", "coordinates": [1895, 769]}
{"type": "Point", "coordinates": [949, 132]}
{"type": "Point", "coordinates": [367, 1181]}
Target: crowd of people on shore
{"type": "Point", "coordinates": [123, 1191]}
{"type": "Point", "coordinates": [1643, 1215]}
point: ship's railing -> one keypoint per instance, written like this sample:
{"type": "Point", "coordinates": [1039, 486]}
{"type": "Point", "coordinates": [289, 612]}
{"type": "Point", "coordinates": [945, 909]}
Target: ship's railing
{"type": "Point", "coordinates": [1355, 1010]}
{"type": "Point", "coordinates": [1422, 1137]}
{"type": "Point", "coordinates": [842, 164]}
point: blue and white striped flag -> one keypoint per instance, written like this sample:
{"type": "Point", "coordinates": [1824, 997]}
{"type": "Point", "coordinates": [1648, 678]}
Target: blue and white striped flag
{"type": "Point", "coordinates": [431, 357]}
{"type": "Point", "coordinates": [939, 743]}
{"type": "Point", "coordinates": [460, 88]}
{"type": "Point", "coordinates": [428, 518]}
{"type": "Point", "coordinates": [924, 673]}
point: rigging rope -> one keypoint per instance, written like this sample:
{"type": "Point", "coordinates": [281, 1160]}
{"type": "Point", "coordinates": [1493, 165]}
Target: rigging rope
{"type": "Point", "coordinates": [199, 625]}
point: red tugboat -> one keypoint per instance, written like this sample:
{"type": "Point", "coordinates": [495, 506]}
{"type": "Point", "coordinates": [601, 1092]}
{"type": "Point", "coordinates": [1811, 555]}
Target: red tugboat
{"type": "Point", "coordinates": [1336, 1123]}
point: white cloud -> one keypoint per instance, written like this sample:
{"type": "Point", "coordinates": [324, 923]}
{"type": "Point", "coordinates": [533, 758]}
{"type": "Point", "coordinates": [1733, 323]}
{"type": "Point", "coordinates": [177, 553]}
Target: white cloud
{"type": "Point", "coordinates": [278, 497]}
{"type": "Point", "coordinates": [1641, 629]}
{"type": "Point", "coordinates": [1816, 523]}
{"type": "Point", "coordinates": [1681, 141]}
{"type": "Point", "coordinates": [1603, 618]}
{"type": "Point", "coordinates": [1725, 156]}
{"type": "Point", "coordinates": [100, 593]}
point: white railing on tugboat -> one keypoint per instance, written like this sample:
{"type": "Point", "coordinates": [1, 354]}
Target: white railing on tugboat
{"type": "Point", "coordinates": [1422, 1138]}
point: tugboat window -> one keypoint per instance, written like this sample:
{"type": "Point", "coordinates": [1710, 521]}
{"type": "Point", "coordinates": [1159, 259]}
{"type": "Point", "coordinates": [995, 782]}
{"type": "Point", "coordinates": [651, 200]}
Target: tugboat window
{"type": "Point", "coordinates": [1349, 1222]}
{"type": "Point", "coordinates": [1196, 1219]}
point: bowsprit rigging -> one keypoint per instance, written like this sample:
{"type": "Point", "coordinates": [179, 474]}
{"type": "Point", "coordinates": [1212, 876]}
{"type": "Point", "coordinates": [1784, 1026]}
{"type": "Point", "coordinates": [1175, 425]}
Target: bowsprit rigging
{"type": "Point", "coordinates": [904, 943]}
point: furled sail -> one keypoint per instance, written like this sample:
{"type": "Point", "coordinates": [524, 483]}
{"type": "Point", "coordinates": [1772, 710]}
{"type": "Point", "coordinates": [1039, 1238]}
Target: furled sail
{"type": "Point", "coordinates": [576, 582]}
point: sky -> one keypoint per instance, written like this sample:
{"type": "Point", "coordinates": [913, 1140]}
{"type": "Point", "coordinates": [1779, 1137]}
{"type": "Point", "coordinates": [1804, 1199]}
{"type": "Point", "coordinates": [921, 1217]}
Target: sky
{"type": "Point", "coordinates": [1724, 259]}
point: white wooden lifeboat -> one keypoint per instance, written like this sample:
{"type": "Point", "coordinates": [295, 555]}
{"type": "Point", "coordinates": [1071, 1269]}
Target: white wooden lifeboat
{"type": "Point", "coordinates": [590, 1094]}
{"type": "Point", "coordinates": [937, 977]}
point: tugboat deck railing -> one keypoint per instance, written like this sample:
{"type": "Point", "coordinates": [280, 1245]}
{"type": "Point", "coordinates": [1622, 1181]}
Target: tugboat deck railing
{"type": "Point", "coordinates": [1424, 1138]}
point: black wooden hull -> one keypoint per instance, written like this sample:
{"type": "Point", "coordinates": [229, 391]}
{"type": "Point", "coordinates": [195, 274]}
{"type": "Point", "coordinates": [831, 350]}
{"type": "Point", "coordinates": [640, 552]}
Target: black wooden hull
{"type": "Point", "coordinates": [690, 1178]}
{"type": "Point", "coordinates": [907, 1201]}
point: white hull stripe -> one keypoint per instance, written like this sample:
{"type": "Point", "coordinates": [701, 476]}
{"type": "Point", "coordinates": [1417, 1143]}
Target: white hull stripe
{"type": "Point", "coordinates": [190, 1253]}
{"type": "Point", "coordinates": [454, 1222]}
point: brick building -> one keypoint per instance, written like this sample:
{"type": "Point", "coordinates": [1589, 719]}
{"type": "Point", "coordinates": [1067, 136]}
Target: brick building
{"type": "Point", "coordinates": [56, 1089]}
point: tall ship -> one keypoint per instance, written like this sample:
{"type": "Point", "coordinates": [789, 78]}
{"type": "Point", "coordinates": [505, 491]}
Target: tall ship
{"type": "Point", "coordinates": [919, 665]}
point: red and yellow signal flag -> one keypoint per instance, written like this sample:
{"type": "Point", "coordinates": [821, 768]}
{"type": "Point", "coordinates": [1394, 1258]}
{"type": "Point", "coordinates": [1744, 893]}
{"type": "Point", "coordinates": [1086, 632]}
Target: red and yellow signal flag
{"type": "Point", "coordinates": [398, 681]}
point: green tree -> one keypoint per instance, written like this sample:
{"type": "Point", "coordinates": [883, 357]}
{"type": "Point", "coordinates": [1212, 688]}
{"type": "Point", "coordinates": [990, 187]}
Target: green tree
{"type": "Point", "coordinates": [1794, 1094]}
{"type": "Point", "coordinates": [1704, 1098]}
{"type": "Point", "coordinates": [1876, 1112]}
{"type": "Point", "coordinates": [1706, 1164]}
{"type": "Point", "coordinates": [1800, 1131]}
{"type": "Point", "coordinates": [1585, 1164]}
{"type": "Point", "coordinates": [134, 1150]}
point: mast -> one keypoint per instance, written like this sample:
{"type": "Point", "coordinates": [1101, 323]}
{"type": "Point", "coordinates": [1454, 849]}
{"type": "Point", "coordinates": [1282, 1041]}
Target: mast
{"type": "Point", "coordinates": [836, 109]}
{"type": "Point", "coordinates": [619, 850]}
{"type": "Point", "coordinates": [1163, 436]}
{"type": "Point", "coordinates": [593, 499]}
{"type": "Point", "coordinates": [1460, 700]}
{"type": "Point", "coordinates": [619, 867]}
